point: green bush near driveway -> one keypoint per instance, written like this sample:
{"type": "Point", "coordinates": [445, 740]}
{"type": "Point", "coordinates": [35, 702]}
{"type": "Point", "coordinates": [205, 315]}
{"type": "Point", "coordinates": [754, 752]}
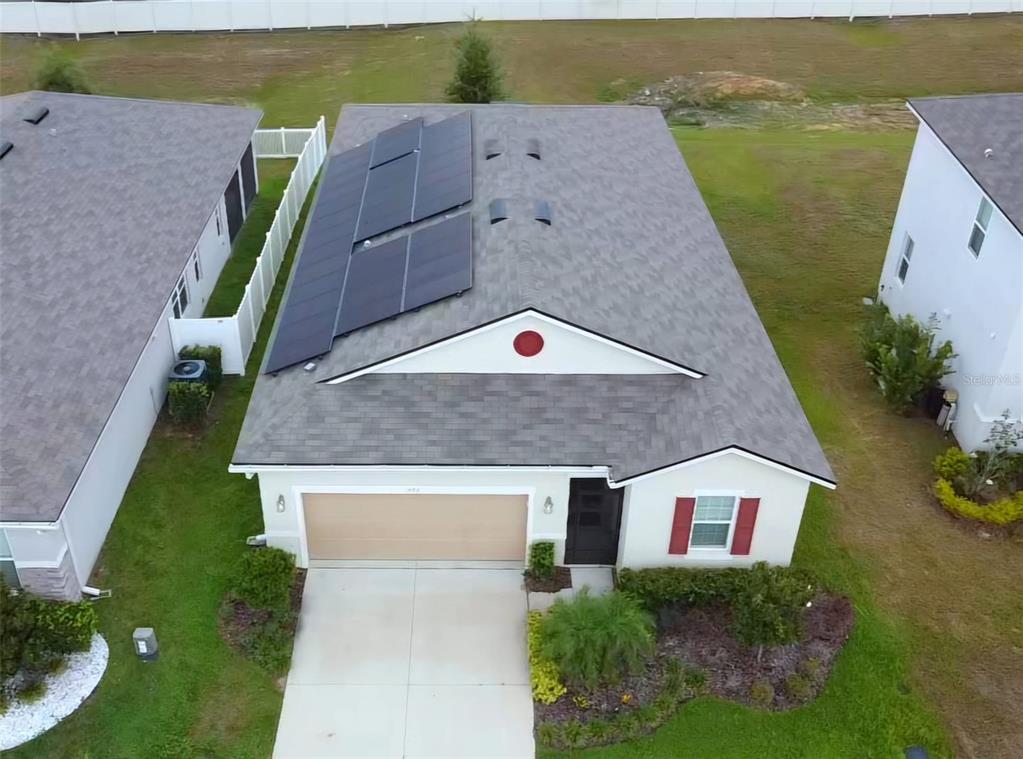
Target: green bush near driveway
{"type": "Point", "coordinates": [264, 579]}
{"type": "Point", "coordinates": [597, 640]}
{"type": "Point", "coordinates": [541, 560]}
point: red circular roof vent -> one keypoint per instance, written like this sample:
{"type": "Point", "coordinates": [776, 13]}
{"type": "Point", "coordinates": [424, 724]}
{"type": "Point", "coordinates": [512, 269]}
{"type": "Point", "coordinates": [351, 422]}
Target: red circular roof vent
{"type": "Point", "coordinates": [528, 343]}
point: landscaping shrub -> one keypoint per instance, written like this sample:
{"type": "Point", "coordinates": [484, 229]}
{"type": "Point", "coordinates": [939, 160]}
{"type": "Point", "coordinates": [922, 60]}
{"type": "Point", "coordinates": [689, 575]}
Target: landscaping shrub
{"type": "Point", "coordinates": [214, 363]}
{"type": "Point", "coordinates": [1001, 512]}
{"type": "Point", "coordinates": [662, 586]}
{"type": "Point", "coordinates": [596, 639]}
{"type": "Point", "coordinates": [544, 675]}
{"type": "Point", "coordinates": [952, 464]}
{"type": "Point", "coordinates": [38, 633]}
{"type": "Point", "coordinates": [58, 72]}
{"type": "Point", "coordinates": [477, 74]}
{"type": "Point", "coordinates": [188, 402]}
{"type": "Point", "coordinates": [798, 686]}
{"type": "Point", "coordinates": [762, 693]}
{"type": "Point", "coordinates": [541, 560]}
{"type": "Point", "coordinates": [264, 579]}
{"type": "Point", "coordinates": [769, 604]}
{"type": "Point", "coordinates": [902, 357]}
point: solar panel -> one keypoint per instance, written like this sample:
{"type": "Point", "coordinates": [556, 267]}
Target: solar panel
{"type": "Point", "coordinates": [445, 166]}
{"type": "Point", "coordinates": [388, 200]}
{"type": "Point", "coordinates": [374, 285]}
{"type": "Point", "coordinates": [306, 325]}
{"type": "Point", "coordinates": [396, 142]}
{"type": "Point", "coordinates": [439, 262]}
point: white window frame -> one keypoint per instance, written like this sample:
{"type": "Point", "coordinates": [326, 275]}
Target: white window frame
{"type": "Point", "coordinates": [179, 289]}
{"type": "Point", "coordinates": [736, 496]}
{"type": "Point", "coordinates": [984, 204]}
{"type": "Point", "coordinates": [905, 258]}
{"type": "Point", "coordinates": [7, 556]}
{"type": "Point", "coordinates": [196, 265]}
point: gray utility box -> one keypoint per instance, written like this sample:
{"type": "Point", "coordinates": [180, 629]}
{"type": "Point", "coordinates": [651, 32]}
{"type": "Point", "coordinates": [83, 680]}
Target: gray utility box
{"type": "Point", "coordinates": [146, 646]}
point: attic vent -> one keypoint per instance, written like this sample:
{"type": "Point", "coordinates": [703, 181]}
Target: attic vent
{"type": "Point", "coordinates": [491, 148]}
{"type": "Point", "coordinates": [533, 148]}
{"type": "Point", "coordinates": [542, 212]}
{"type": "Point", "coordinates": [37, 114]}
{"type": "Point", "coordinates": [5, 147]}
{"type": "Point", "coordinates": [498, 210]}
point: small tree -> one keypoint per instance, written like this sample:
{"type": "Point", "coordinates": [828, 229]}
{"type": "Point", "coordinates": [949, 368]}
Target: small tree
{"type": "Point", "coordinates": [477, 73]}
{"type": "Point", "coordinates": [58, 72]}
{"type": "Point", "coordinates": [995, 461]}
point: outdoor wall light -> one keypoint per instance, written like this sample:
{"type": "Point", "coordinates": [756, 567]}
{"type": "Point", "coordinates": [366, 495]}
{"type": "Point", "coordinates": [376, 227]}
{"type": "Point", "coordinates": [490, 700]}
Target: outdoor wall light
{"type": "Point", "coordinates": [280, 504]}
{"type": "Point", "coordinates": [548, 506]}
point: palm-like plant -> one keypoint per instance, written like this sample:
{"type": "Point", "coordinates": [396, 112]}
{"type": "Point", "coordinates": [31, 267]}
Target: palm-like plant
{"type": "Point", "coordinates": [597, 640]}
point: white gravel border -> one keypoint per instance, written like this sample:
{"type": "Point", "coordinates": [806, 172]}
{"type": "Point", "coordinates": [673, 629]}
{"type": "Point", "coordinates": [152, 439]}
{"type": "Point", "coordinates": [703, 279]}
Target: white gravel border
{"type": "Point", "coordinates": [64, 693]}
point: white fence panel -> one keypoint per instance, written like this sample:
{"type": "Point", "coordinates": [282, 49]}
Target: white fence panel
{"type": "Point", "coordinates": [47, 17]}
{"type": "Point", "coordinates": [222, 332]}
{"type": "Point", "coordinates": [236, 334]}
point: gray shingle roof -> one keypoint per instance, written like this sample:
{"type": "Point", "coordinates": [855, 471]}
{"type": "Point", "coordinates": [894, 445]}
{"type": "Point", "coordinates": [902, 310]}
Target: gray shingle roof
{"type": "Point", "coordinates": [632, 254]}
{"type": "Point", "coordinates": [101, 205]}
{"type": "Point", "coordinates": [971, 124]}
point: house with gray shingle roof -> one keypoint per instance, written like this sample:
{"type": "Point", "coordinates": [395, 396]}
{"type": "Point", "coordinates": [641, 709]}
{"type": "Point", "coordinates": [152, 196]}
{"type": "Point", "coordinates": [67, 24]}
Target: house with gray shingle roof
{"type": "Point", "coordinates": [116, 215]}
{"type": "Point", "coordinates": [533, 332]}
{"type": "Point", "coordinates": [955, 256]}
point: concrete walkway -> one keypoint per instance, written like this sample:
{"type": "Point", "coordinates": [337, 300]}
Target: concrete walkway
{"type": "Point", "coordinates": [416, 662]}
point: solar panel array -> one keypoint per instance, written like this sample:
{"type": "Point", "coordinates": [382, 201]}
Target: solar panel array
{"type": "Point", "coordinates": [406, 174]}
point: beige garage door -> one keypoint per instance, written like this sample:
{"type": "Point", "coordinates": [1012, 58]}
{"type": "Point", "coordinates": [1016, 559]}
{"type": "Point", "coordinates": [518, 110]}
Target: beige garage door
{"type": "Point", "coordinates": [385, 526]}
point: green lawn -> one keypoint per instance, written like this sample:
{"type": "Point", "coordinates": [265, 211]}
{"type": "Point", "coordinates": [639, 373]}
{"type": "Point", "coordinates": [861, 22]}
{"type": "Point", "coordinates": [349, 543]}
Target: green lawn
{"type": "Point", "coordinates": [935, 656]}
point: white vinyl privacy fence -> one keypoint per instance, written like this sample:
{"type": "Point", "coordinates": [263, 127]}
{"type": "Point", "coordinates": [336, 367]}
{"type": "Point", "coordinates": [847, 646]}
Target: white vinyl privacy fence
{"type": "Point", "coordinates": [236, 334]}
{"type": "Point", "coordinates": [102, 16]}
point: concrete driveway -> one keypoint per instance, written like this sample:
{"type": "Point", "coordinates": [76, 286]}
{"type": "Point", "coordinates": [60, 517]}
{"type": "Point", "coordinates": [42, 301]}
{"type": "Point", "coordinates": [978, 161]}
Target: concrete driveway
{"type": "Point", "coordinates": [413, 662]}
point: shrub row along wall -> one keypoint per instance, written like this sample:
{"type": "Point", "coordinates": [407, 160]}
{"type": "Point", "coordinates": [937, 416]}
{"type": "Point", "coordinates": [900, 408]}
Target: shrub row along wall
{"type": "Point", "coordinates": [105, 16]}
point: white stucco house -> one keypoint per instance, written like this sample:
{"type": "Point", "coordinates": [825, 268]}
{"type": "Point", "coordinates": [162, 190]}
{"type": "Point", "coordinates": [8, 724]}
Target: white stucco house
{"type": "Point", "coordinates": [510, 324]}
{"type": "Point", "coordinates": [956, 250]}
{"type": "Point", "coordinates": [116, 216]}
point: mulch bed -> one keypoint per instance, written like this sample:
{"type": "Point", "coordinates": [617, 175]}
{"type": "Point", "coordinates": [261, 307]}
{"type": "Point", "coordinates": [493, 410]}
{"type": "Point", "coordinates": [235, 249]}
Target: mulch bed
{"type": "Point", "coordinates": [701, 637]}
{"type": "Point", "coordinates": [562, 579]}
{"type": "Point", "coordinates": [237, 618]}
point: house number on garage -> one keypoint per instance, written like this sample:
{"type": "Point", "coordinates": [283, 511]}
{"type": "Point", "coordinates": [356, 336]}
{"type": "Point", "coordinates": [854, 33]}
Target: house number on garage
{"type": "Point", "coordinates": [411, 490]}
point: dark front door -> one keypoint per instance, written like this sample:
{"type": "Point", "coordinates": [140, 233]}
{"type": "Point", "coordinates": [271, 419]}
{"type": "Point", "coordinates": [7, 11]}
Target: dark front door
{"type": "Point", "coordinates": [594, 517]}
{"type": "Point", "coordinates": [233, 201]}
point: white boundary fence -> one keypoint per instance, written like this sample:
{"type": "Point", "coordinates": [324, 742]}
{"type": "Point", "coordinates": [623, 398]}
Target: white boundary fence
{"type": "Point", "coordinates": [236, 334]}
{"type": "Point", "coordinates": [102, 16]}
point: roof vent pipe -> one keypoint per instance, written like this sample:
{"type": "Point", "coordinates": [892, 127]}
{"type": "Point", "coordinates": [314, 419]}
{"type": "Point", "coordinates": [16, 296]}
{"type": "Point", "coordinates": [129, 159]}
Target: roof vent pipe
{"type": "Point", "coordinates": [542, 212]}
{"type": "Point", "coordinates": [498, 210]}
{"type": "Point", "coordinates": [5, 147]}
{"type": "Point", "coordinates": [533, 148]}
{"type": "Point", "coordinates": [491, 148]}
{"type": "Point", "coordinates": [988, 153]}
{"type": "Point", "coordinates": [37, 114]}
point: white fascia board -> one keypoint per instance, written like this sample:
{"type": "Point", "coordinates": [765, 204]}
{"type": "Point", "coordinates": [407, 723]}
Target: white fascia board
{"type": "Point", "coordinates": [257, 468]}
{"type": "Point", "coordinates": [957, 162]}
{"type": "Point", "coordinates": [29, 525]}
{"type": "Point", "coordinates": [725, 452]}
{"type": "Point", "coordinates": [528, 313]}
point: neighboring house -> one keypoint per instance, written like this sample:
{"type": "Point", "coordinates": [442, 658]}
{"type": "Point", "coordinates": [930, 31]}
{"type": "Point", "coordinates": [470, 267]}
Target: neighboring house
{"type": "Point", "coordinates": [116, 215]}
{"type": "Point", "coordinates": [956, 250]}
{"type": "Point", "coordinates": [598, 376]}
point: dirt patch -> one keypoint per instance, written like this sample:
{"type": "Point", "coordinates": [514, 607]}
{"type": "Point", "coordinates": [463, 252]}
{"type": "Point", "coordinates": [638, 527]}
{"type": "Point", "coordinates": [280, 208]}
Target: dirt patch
{"type": "Point", "coordinates": [561, 580]}
{"type": "Point", "coordinates": [241, 625]}
{"type": "Point", "coordinates": [701, 638]}
{"type": "Point", "coordinates": [732, 99]}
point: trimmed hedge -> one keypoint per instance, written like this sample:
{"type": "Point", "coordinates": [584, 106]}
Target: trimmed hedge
{"type": "Point", "coordinates": [214, 362]}
{"type": "Point", "coordinates": [1001, 512]}
{"type": "Point", "coordinates": [188, 401]}
{"type": "Point", "coordinates": [541, 560]}
{"type": "Point", "coordinates": [264, 579]}
{"type": "Point", "coordinates": [543, 673]}
{"type": "Point", "coordinates": [767, 601]}
{"type": "Point", "coordinates": [952, 464]}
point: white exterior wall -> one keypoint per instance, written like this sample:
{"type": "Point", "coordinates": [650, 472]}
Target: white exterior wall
{"type": "Point", "coordinates": [566, 350]}
{"type": "Point", "coordinates": [647, 516]}
{"type": "Point", "coordinates": [94, 501]}
{"type": "Point", "coordinates": [977, 299]}
{"type": "Point", "coordinates": [649, 511]}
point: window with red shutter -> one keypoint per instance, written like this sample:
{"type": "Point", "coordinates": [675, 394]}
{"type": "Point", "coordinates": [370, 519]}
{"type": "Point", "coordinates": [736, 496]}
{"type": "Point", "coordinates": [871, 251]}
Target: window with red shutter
{"type": "Point", "coordinates": [742, 538]}
{"type": "Point", "coordinates": [681, 525]}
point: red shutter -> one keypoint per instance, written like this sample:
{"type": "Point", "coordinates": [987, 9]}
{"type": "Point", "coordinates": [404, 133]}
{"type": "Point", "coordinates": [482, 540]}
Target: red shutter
{"type": "Point", "coordinates": [681, 525]}
{"type": "Point", "coordinates": [744, 523]}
